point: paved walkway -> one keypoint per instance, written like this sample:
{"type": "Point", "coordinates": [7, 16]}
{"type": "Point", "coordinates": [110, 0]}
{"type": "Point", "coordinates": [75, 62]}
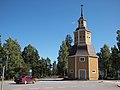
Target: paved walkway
{"type": "Point", "coordinates": [63, 85]}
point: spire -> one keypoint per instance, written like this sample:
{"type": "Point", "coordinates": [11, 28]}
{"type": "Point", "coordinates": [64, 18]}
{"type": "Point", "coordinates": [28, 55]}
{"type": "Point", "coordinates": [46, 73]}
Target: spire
{"type": "Point", "coordinates": [81, 21]}
{"type": "Point", "coordinates": [81, 10]}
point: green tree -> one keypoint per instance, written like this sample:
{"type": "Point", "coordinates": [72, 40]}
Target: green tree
{"type": "Point", "coordinates": [37, 70]}
{"type": "Point", "coordinates": [45, 67]}
{"type": "Point", "coordinates": [100, 65]}
{"type": "Point", "coordinates": [42, 67]}
{"type": "Point", "coordinates": [63, 59]}
{"type": "Point", "coordinates": [1, 50]}
{"type": "Point", "coordinates": [31, 58]}
{"type": "Point", "coordinates": [14, 60]}
{"type": "Point", "coordinates": [118, 39]}
{"type": "Point", "coordinates": [54, 70]}
{"type": "Point", "coordinates": [68, 40]}
{"type": "Point", "coordinates": [105, 57]}
{"type": "Point", "coordinates": [48, 67]}
{"type": "Point", "coordinates": [116, 53]}
{"type": "Point", "coordinates": [115, 60]}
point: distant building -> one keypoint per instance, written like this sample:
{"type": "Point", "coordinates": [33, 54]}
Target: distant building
{"type": "Point", "coordinates": [82, 60]}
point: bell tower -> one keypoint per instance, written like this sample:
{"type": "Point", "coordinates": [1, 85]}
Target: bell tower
{"type": "Point", "coordinates": [82, 59]}
{"type": "Point", "coordinates": [82, 21]}
{"type": "Point", "coordinates": [82, 35]}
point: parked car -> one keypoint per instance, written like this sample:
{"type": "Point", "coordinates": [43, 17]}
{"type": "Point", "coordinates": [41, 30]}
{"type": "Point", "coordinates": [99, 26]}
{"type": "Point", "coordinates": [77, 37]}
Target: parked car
{"type": "Point", "coordinates": [25, 79]}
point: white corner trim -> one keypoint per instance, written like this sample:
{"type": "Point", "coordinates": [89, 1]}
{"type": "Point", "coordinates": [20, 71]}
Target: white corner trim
{"type": "Point", "coordinates": [90, 37]}
{"type": "Point", "coordinates": [85, 37]}
{"type": "Point", "coordinates": [75, 68]}
{"type": "Point", "coordinates": [97, 68]}
{"type": "Point", "coordinates": [89, 66]}
{"type": "Point", "coordinates": [78, 37]}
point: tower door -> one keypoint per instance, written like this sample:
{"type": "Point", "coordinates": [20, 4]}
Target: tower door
{"type": "Point", "coordinates": [82, 74]}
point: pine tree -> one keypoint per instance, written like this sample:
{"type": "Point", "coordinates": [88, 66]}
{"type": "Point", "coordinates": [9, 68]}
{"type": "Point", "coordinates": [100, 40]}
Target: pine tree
{"type": "Point", "coordinates": [31, 58]}
{"type": "Point", "coordinates": [45, 67]}
{"type": "Point", "coordinates": [118, 39]}
{"type": "Point", "coordinates": [42, 67]}
{"type": "Point", "coordinates": [1, 50]}
{"type": "Point", "coordinates": [105, 57]}
{"type": "Point", "coordinates": [63, 59]}
{"type": "Point", "coordinates": [101, 65]}
{"type": "Point", "coordinates": [115, 59]}
{"type": "Point", "coordinates": [48, 67]}
{"type": "Point", "coordinates": [14, 61]}
{"type": "Point", "coordinates": [68, 40]}
{"type": "Point", "coordinates": [54, 70]}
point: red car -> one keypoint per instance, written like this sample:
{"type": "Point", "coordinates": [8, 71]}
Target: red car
{"type": "Point", "coordinates": [25, 79]}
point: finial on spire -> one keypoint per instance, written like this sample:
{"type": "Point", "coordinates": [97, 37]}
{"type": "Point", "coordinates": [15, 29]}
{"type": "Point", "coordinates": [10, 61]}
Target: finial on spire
{"type": "Point", "coordinates": [81, 10]}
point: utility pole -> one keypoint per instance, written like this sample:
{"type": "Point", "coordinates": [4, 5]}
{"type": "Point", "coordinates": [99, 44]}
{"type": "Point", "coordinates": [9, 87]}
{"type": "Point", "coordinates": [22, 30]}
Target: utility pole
{"type": "Point", "coordinates": [4, 64]}
{"type": "Point", "coordinates": [2, 78]}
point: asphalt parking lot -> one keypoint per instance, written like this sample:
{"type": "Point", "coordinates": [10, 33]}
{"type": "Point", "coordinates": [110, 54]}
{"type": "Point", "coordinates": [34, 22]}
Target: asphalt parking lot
{"type": "Point", "coordinates": [63, 85]}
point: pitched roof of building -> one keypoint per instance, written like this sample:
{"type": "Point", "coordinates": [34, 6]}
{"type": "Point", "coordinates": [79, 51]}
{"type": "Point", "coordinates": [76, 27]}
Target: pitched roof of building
{"type": "Point", "coordinates": [82, 50]}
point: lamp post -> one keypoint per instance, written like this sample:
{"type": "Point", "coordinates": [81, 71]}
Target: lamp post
{"type": "Point", "coordinates": [30, 71]}
{"type": "Point", "coordinates": [118, 74]}
{"type": "Point", "coordinates": [4, 64]}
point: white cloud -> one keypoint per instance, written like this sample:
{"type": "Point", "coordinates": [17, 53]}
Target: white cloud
{"type": "Point", "coordinates": [73, 23]}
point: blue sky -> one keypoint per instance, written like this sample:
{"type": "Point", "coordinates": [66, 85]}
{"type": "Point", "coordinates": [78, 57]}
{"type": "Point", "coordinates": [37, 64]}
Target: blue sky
{"type": "Point", "coordinates": [45, 23]}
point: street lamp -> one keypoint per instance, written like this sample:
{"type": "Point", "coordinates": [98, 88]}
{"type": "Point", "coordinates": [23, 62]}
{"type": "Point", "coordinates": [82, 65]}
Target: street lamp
{"type": "Point", "coordinates": [118, 74]}
{"type": "Point", "coordinates": [30, 71]}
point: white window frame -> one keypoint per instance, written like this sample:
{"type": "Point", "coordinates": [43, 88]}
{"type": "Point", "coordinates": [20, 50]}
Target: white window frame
{"type": "Point", "coordinates": [82, 60]}
{"type": "Point", "coordinates": [94, 71]}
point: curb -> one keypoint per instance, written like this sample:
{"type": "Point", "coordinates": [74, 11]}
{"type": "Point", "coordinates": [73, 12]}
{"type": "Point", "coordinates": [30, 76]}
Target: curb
{"type": "Point", "coordinates": [118, 85]}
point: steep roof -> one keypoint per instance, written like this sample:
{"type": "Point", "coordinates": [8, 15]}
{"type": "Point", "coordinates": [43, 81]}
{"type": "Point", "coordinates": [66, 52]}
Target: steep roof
{"type": "Point", "coordinates": [82, 50]}
{"type": "Point", "coordinates": [91, 50]}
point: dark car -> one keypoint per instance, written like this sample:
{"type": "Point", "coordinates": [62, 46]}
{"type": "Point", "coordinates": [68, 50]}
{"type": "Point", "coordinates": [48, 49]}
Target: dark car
{"type": "Point", "coordinates": [25, 79]}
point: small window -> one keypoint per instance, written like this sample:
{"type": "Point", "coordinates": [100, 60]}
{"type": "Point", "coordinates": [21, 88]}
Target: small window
{"type": "Point", "coordinates": [82, 59]}
{"type": "Point", "coordinates": [71, 71]}
{"type": "Point", "coordinates": [81, 22]}
{"type": "Point", "coordinates": [93, 71]}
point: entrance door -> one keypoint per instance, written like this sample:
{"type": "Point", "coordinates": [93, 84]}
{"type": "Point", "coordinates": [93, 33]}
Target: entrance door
{"type": "Point", "coordinates": [82, 74]}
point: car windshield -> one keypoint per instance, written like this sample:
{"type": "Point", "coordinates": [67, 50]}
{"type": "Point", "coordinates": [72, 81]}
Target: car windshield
{"type": "Point", "coordinates": [29, 76]}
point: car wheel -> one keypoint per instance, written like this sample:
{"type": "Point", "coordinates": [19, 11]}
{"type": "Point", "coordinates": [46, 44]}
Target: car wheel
{"type": "Point", "coordinates": [33, 82]}
{"type": "Point", "coordinates": [25, 82]}
{"type": "Point", "coordinates": [17, 82]}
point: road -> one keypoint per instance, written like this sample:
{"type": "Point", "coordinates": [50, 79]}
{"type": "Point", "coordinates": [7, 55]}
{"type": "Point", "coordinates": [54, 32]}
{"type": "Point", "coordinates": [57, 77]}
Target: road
{"type": "Point", "coordinates": [63, 85]}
